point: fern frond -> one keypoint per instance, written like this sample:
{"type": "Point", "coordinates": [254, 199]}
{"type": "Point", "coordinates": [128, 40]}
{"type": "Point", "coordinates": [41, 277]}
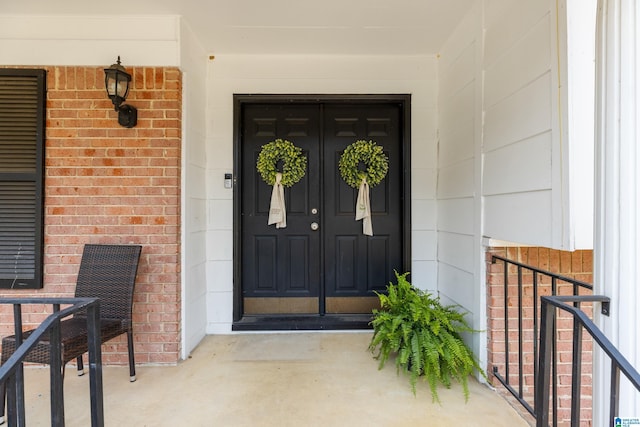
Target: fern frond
{"type": "Point", "coordinates": [424, 335]}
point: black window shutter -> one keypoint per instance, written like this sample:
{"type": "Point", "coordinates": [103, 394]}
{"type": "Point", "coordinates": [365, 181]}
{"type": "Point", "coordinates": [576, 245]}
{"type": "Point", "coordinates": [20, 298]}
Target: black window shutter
{"type": "Point", "coordinates": [22, 124]}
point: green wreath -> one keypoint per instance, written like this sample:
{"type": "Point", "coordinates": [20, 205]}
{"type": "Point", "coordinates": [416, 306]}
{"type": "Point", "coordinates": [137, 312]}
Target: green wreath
{"type": "Point", "coordinates": [294, 163]}
{"type": "Point", "coordinates": [374, 159]}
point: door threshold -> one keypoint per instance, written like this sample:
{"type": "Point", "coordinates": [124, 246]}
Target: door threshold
{"type": "Point", "coordinates": [302, 322]}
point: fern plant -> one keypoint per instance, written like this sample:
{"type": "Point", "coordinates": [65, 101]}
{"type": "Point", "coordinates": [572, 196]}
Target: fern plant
{"type": "Point", "coordinates": [425, 337]}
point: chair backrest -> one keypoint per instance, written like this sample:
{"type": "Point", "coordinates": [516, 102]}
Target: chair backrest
{"type": "Point", "coordinates": [109, 272]}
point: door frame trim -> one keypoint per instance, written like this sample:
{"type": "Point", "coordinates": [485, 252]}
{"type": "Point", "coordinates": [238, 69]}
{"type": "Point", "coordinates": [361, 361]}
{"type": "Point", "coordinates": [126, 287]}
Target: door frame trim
{"type": "Point", "coordinates": [240, 100]}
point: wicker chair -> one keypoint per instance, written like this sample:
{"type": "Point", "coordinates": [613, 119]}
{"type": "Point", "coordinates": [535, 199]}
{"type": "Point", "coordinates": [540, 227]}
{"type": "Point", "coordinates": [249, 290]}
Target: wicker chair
{"type": "Point", "coordinates": [107, 272]}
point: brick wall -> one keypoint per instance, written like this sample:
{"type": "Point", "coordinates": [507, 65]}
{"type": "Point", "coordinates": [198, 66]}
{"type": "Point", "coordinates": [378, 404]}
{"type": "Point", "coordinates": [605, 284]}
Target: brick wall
{"type": "Point", "coordinates": [576, 265]}
{"type": "Point", "coordinates": [108, 184]}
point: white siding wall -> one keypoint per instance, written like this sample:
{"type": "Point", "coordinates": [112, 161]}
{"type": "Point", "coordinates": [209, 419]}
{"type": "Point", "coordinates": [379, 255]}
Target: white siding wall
{"type": "Point", "coordinates": [538, 133]}
{"type": "Point", "coordinates": [521, 134]}
{"type": "Point", "coordinates": [89, 40]}
{"type": "Point", "coordinates": [296, 74]}
{"type": "Point", "coordinates": [509, 165]}
{"type": "Point", "coordinates": [460, 266]}
{"type": "Point", "coordinates": [194, 191]}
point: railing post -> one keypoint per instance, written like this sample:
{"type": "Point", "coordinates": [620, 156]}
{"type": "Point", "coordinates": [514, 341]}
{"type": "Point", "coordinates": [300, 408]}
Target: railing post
{"type": "Point", "coordinates": [49, 333]}
{"type": "Point", "coordinates": [15, 384]}
{"type": "Point", "coordinates": [554, 357]}
{"type": "Point", "coordinates": [547, 317]}
{"type": "Point", "coordinates": [95, 365]}
{"type": "Point", "coordinates": [614, 396]}
{"type": "Point", "coordinates": [520, 365]}
{"type": "Point", "coordinates": [536, 326]}
{"type": "Point", "coordinates": [576, 374]}
{"type": "Point", "coordinates": [506, 321]}
{"type": "Point", "coordinates": [55, 372]}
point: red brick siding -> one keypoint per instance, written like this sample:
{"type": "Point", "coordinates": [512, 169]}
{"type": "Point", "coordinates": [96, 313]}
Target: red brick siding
{"type": "Point", "coordinates": [108, 184]}
{"type": "Point", "coordinates": [577, 265]}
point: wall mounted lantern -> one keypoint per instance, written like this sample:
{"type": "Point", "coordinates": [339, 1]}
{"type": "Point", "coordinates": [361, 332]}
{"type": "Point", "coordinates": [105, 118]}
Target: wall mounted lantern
{"type": "Point", "coordinates": [117, 80]}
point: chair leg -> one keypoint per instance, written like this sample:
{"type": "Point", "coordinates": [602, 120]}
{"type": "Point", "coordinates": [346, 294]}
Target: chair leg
{"type": "Point", "coordinates": [132, 363]}
{"type": "Point", "coordinates": [3, 398]}
{"type": "Point", "coordinates": [80, 366]}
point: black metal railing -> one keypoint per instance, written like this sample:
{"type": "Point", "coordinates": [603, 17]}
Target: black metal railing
{"type": "Point", "coordinates": [549, 309]}
{"type": "Point", "coordinates": [12, 372]}
{"type": "Point", "coordinates": [521, 305]}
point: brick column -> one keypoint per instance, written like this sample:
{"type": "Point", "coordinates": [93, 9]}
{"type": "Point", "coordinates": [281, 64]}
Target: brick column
{"type": "Point", "coordinates": [109, 184]}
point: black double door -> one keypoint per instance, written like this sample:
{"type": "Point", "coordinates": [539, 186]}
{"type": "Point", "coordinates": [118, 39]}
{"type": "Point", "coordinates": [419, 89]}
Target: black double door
{"type": "Point", "coordinates": [321, 263]}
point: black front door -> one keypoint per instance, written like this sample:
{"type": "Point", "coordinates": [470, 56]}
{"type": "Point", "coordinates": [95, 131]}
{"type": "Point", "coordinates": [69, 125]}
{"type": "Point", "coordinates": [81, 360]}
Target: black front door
{"type": "Point", "coordinates": [321, 263]}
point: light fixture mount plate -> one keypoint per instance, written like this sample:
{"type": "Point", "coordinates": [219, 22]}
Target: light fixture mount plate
{"type": "Point", "coordinates": [127, 116]}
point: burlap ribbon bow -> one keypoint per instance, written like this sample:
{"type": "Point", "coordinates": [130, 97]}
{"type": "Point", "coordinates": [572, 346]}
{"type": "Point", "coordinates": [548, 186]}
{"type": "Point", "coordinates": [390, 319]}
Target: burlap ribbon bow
{"type": "Point", "coordinates": [363, 208]}
{"type": "Point", "coordinates": [277, 211]}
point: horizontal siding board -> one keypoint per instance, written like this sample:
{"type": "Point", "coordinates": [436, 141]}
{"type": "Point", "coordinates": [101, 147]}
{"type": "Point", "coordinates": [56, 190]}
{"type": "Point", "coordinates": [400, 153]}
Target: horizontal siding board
{"type": "Point", "coordinates": [115, 27]}
{"type": "Point", "coordinates": [456, 285]}
{"type": "Point", "coordinates": [458, 109]}
{"type": "Point", "coordinates": [423, 214]}
{"type": "Point", "coordinates": [457, 99]}
{"type": "Point", "coordinates": [529, 59]}
{"type": "Point", "coordinates": [527, 163]}
{"type": "Point", "coordinates": [423, 245]}
{"type": "Point", "coordinates": [456, 250]}
{"type": "Point", "coordinates": [456, 215]}
{"type": "Point", "coordinates": [457, 143]}
{"type": "Point", "coordinates": [459, 73]}
{"type": "Point", "coordinates": [456, 180]}
{"type": "Point", "coordinates": [423, 181]}
{"type": "Point", "coordinates": [524, 218]}
{"type": "Point", "coordinates": [48, 51]}
{"type": "Point", "coordinates": [424, 274]}
{"type": "Point", "coordinates": [522, 115]}
{"type": "Point", "coordinates": [289, 68]}
{"type": "Point", "coordinates": [506, 26]}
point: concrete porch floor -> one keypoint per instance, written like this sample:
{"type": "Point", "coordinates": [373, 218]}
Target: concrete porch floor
{"type": "Point", "coordinates": [294, 379]}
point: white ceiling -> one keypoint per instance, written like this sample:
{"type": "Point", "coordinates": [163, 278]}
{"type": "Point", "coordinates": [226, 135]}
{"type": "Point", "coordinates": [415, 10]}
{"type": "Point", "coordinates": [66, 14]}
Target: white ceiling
{"type": "Point", "coordinates": [370, 27]}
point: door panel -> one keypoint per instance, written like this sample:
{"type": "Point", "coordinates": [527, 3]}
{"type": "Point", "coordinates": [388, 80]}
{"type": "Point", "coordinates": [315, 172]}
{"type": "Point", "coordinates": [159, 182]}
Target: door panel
{"type": "Point", "coordinates": [335, 269]}
{"type": "Point", "coordinates": [357, 264]}
{"type": "Point", "coordinates": [279, 263]}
